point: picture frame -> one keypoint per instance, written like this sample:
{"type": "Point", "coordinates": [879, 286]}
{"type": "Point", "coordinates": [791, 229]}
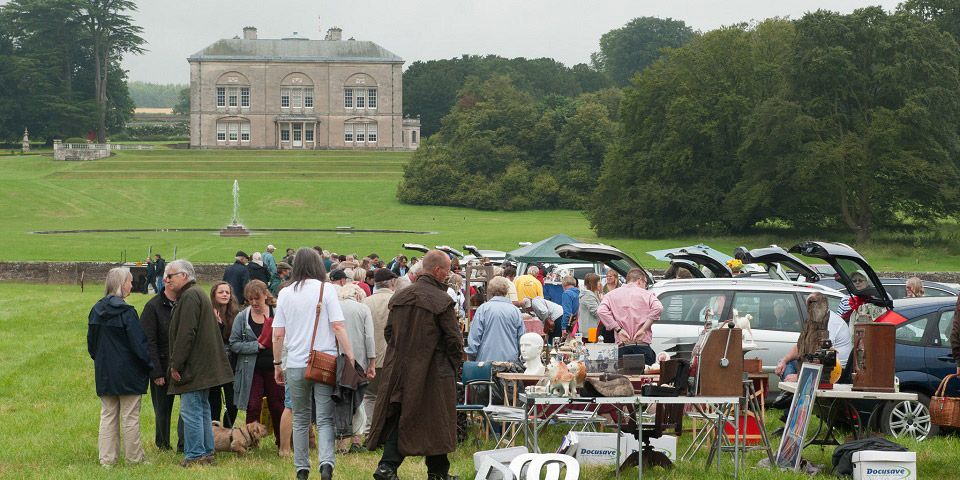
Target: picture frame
{"type": "Point", "coordinates": [798, 418]}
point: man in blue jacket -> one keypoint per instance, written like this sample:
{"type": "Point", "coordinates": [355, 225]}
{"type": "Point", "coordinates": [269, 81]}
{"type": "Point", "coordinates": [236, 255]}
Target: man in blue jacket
{"type": "Point", "coordinates": [570, 301]}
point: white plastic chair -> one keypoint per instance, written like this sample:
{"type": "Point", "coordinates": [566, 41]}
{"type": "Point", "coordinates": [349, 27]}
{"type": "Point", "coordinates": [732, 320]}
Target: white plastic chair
{"type": "Point", "coordinates": [528, 466]}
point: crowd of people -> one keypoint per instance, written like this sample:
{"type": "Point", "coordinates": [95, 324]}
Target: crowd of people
{"type": "Point", "coordinates": [402, 324]}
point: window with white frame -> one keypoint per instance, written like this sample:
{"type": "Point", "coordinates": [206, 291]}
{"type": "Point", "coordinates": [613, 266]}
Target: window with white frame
{"type": "Point", "coordinates": [355, 97]}
{"type": "Point", "coordinates": [285, 134]}
{"type": "Point", "coordinates": [296, 97]}
{"type": "Point", "coordinates": [221, 96]}
{"type": "Point", "coordinates": [371, 98]}
{"type": "Point", "coordinates": [360, 133]}
{"type": "Point", "coordinates": [245, 97]}
{"type": "Point", "coordinates": [232, 97]}
{"type": "Point", "coordinates": [347, 98]}
{"type": "Point", "coordinates": [233, 131]}
{"type": "Point", "coordinates": [308, 133]}
{"type": "Point", "coordinates": [360, 99]}
{"type": "Point", "coordinates": [372, 133]}
{"type": "Point", "coordinates": [348, 133]}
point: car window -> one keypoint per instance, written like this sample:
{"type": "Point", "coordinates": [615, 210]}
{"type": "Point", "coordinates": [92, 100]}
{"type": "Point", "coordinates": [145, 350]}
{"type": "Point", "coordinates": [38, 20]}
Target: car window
{"type": "Point", "coordinates": [861, 281]}
{"type": "Point", "coordinates": [834, 302]}
{"type": "Point", "coordinates": [689, 307]}
{"type": "Point", "coordinates": [935, 292]}
{"type": "Point", "coordinates": [770, 310]}
{"type": "Point", "coordinates": [911, 333]}
{"type": "Point", "coordinates": [946, 324]}
{"type": "Point", "coordinates": [896, 291]}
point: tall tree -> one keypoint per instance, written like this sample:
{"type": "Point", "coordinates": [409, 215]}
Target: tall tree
{"type": "Point", "coordinates": [631, 48]}
{"type": "Point", "coordinates": [111, 33]}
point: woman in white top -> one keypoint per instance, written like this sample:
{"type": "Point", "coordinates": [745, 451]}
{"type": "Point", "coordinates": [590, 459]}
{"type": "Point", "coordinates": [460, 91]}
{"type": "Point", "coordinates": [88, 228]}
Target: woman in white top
{"type": "Point", "coordinates": [293, 328]}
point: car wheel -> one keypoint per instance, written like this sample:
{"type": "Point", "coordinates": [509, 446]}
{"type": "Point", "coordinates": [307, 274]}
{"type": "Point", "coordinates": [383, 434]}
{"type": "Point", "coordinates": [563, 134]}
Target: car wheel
{"type": "Point", "coordinates": [909, 419]}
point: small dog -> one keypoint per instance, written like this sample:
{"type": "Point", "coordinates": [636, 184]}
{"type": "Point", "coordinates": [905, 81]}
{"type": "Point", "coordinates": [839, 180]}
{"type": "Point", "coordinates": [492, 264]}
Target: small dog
{"type": "Point", "coordinates": [237, 439]}
{"type": "Point", "coordinates": [743, 323]}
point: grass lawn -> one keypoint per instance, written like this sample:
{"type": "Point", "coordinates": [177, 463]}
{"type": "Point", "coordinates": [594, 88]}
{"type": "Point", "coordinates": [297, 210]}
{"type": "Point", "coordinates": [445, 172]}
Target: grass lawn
{"type": "Point", "coordinates": [50, 411]}
{"type": "Point", "coordinates": [167, 189]}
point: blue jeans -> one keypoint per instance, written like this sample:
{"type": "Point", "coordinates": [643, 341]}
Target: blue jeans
{"type": "Point", "coordinates": [300, 390]}
{"type": "Point", "coordinates": [197, 429]}
{"type": "Point", "coordinates": [791, 368]}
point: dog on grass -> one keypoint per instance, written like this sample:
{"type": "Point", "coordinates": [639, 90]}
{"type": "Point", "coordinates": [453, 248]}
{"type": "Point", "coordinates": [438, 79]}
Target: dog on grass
{"type": "Point", "coordinates": [239, 438]}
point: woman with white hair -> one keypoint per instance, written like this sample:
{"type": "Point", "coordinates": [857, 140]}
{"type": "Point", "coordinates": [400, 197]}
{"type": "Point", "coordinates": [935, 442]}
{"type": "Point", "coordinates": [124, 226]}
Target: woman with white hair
{"type": "Point", "coordinates": [121, 363]}
{"type": "Point", "coordinates": [358, 319]}
{"type": "Point", "coordinates": [497, 327]}
{"type": "Point", "coordinates": [257, 270]}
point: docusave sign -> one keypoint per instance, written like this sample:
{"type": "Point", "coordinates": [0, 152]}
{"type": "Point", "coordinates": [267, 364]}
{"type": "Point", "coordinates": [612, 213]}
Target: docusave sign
{"type": "Point", "coordinates": [887, 473]}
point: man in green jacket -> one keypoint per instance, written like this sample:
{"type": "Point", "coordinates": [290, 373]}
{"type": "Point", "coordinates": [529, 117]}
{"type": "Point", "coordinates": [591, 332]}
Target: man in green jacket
{"type": "Point", "coordinates": [198, 360]}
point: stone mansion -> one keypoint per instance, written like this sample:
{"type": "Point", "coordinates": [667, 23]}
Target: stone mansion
{"type": "Point", "coordinates": [296, 93]}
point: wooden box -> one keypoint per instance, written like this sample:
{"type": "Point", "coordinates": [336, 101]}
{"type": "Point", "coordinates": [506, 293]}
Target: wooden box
{"type": "Point", "coordinates": [753, 365]}
{"type": "Point", "coordinates": [713, 378]}
{"type": "Point", "coordinates": [874, 363]}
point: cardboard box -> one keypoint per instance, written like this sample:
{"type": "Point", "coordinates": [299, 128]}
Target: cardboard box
{"type": "Point", "coordinates": [878, 465]}
{"type": "Point", "coordinates": [594, 448]}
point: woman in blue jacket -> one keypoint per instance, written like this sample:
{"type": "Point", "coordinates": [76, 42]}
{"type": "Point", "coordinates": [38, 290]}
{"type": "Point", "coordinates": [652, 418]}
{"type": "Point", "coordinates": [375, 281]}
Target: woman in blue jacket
{"type": "Point", "coordinates": [121, 362]}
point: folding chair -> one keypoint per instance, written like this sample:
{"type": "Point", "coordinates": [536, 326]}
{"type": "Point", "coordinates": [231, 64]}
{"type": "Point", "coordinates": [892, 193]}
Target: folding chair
{"type": "Point", "coordinates": [476, 374]}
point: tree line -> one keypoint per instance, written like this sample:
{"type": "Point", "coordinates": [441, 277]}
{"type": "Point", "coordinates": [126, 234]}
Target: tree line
{"type": "Point", "coordinates": [60, 72]}
{"type": "Point", "coordinates": [845, 121]}
{"type": "Point", "coordinates": [155, 95]}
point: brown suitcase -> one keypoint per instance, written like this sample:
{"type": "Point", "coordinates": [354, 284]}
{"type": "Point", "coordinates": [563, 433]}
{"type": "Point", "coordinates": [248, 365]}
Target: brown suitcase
{"type": "Point", "coordinates": [874, 364]}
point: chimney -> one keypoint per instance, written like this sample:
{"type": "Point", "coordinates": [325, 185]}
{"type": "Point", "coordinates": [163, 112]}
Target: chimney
{"type": "Point", "coordinates": [249, 33]}
{"type": "Point", "coordinates": [334, 34]}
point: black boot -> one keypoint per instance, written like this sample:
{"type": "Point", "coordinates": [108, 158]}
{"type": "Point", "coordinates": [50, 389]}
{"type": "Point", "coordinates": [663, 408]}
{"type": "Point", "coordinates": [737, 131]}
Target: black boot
{"type": "Point", "coordinates": [384, 472]}
{"type": "Point", "coordinates": [326, 472]}
{"type": "Point", "coordinates": [303, 474]}
{"type": "Point", "coordinates": [437, 476]}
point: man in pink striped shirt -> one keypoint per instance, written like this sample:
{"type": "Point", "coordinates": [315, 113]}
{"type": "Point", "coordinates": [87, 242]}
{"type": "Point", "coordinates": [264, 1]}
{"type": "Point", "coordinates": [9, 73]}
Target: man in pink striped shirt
{"type": "Point", "coordinates": [630, 311]}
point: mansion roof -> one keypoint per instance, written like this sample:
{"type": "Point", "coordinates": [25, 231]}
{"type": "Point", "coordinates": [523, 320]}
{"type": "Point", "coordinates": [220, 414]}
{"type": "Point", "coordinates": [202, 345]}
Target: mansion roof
{"type": "Point", "coordinates": [295, 50]}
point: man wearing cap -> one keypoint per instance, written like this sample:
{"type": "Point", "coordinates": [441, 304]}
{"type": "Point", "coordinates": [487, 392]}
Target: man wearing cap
{"type": "Point", "coordinates": [269, 262]}
{"type": "Point", "coordinates": [384, 281]}
{"type": "Point", "coordinates": [237, 275]}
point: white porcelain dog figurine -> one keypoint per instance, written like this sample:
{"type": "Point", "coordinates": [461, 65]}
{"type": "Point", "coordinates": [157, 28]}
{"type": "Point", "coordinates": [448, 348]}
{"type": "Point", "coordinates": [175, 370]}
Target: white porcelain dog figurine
{"type": "Point", "coordinates": [743, 323]}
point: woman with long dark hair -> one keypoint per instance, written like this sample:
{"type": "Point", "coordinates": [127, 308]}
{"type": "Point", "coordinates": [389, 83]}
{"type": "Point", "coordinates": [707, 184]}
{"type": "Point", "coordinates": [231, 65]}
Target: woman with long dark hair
{"type": "Point", "coordinates": [293, 329]}
{"type": "Point", "coordinates": [225, 308]}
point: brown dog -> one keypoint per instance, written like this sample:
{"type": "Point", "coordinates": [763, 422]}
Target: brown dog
{"type": "Point", "coordinates": [237, 439]}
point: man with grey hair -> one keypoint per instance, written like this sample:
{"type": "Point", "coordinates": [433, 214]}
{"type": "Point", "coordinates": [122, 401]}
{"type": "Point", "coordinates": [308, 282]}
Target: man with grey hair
{"type": "Point", "coordinates": [197, 360]}
{"type": "Point", "coordinates": [497, 326]}
{"type": "Point", "coordinates": [527, 285]}
{"type": "Point", "coordinates": [630, 312]}
{"type": "Point", "coordinates": [384, 281]}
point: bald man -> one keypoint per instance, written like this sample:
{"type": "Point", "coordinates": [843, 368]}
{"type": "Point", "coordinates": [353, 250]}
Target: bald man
{"type": "Point", "coordinates": [424, 352]}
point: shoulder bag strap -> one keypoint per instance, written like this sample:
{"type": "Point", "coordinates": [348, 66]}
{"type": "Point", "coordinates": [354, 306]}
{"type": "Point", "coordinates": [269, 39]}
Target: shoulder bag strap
{"type": "Point", "coordinates": [319, 309]}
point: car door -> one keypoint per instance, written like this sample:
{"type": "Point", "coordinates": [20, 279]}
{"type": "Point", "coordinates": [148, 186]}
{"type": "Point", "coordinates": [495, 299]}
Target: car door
{"type": "Point", "coordinates": [772, 256]}
{"type": "Point", "coordinates": [776, 323]}
{"type": "Point", "coordinates": [847, 261]}
{"type": "Point", "coordinates": [939, 353]}
{"type": "Point", "coordinates": [619, 261]}
{"type": "Point", "coordinates": [716, 269]}
{"type": "Point", "coordinates": [914, 339]}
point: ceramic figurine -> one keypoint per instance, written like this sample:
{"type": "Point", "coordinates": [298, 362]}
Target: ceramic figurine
{"type": "Point", "coordinates": [561, 380]}
{"type": "Point", "coordinates": [743, 323]}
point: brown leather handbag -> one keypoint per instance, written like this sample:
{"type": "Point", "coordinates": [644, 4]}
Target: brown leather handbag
{"type": "Point", "coordinates": [321, 367]}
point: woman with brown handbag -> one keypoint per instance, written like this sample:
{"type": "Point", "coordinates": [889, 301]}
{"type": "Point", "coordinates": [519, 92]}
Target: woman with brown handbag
{"type": "Point", "coordinates": [309, 322]}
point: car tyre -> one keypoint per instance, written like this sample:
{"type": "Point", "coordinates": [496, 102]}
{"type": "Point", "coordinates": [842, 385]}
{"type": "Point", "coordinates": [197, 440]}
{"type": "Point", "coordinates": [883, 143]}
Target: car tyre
{"type": "Point", "coordinates": [909, 419]}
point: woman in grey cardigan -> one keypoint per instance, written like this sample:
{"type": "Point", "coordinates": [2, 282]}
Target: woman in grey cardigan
{"type": "Point", "coordinates": [589, 301]}
{"type": "Point", "coordinates": [251, 340]}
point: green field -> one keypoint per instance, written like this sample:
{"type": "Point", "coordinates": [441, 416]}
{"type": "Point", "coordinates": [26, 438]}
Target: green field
{"type": "Point", "coordinates": [168, 189]}
{"type": "Point", "coordinates": [50, 412]}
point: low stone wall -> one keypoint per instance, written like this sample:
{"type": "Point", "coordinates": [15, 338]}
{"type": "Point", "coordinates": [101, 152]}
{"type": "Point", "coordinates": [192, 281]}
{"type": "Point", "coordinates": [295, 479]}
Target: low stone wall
{"type": "Point", "coordinates": [95, 272]}
{"type": "Point", "coordinates": [92, 273]}
{"type": "Point", "coordinates": [80, 152]}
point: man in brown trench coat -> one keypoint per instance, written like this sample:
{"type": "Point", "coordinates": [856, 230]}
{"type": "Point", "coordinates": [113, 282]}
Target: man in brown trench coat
{"type": "Point", "coordinates": [416, 408]}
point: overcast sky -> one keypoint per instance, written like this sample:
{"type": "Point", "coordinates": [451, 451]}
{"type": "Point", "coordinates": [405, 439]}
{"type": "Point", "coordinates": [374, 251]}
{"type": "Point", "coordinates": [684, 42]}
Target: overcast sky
{"type": "Point", "coordinates": [566, 30]}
